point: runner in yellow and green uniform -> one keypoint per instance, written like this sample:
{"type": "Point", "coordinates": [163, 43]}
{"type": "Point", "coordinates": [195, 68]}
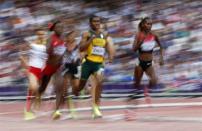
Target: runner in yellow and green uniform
{"type": "Point", "coordinates": [96, 43]}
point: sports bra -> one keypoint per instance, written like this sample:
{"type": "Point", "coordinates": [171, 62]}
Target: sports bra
{"type": "Point", "coordinates": [73, 56]}
{"type": "Point", "coordinates": [148, 44]}
{"type": "Point", "coordinates": [58, 45]}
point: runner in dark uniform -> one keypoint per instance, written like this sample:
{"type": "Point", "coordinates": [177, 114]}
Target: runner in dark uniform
{"type": "Point", "coordinates": [69, 74]}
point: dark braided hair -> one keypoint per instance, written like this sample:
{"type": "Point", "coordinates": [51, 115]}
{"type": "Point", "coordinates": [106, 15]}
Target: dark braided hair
{"type": "Point", "coordinates": [53, 26]}
{"type": "Point", "coordinates": [92, 17]}
{"type": "Point", "coordinates": [140, 25]}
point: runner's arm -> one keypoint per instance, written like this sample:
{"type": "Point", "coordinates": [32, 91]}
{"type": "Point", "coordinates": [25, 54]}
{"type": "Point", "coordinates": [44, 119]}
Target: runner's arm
{"type": "Point", "coordinates": [85, 42]}
{"type": "Point", "coordinates": [161, 50]}
{"type": "Point", "coordinates": [24, 55]}
{"type": "Point", "coordinates": [137, 43]}
{"type": "Point", "coordinates": [110, 49]}
{"type": "Point", "coordinates": [48, 45]}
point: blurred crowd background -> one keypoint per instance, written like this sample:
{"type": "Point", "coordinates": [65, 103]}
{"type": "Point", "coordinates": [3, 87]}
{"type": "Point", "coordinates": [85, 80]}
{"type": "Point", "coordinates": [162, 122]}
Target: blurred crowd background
{"type": "Point", "coordinates": [177, 23]}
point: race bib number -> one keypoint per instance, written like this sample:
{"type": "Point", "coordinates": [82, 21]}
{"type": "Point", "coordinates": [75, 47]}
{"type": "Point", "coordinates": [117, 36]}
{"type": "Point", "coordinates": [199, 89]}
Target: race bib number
{"type": "Point", "coordinates": [98, 51]}
{"type": "Point", "coordinates": [59, 50]}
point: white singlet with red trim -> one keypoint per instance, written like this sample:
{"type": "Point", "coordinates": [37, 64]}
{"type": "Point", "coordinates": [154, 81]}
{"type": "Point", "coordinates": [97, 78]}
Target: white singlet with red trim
{"type": "Point", "coordinates": [149, 43]}
{"type": "Point", "coordinates": [38, 55]}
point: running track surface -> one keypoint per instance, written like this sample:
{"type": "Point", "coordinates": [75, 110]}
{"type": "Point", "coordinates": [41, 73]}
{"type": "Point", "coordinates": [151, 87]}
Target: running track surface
{"type": "Point", "coordinates": [150, 118]}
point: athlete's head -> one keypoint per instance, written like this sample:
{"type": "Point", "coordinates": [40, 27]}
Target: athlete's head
{"type": "Point", "coordinates": [41, 34]}
{"type": "Point", "coordinates": [70, 37]}
{"type": "Point", "coordinates": [95, 22]}
{"type": "Point", "coordinates": [70, 40]}
{"type": "Point", "coordinates": [145, 24]}
{"type": "Point", "coordinates": [57, 27]}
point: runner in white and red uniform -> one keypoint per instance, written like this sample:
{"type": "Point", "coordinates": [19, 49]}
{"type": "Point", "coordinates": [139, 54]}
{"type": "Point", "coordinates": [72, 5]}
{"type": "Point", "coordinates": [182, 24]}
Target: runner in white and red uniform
{"type": "Point", "coordinates": [55, 50]}
{"type": "Point", "coordinates": [37, 59]}
{"type": "Point", "coordinates": [36, 62]}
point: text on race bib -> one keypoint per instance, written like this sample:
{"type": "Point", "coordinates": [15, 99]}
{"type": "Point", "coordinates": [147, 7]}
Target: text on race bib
{"type": "Point", "coordinates": [98, 51]}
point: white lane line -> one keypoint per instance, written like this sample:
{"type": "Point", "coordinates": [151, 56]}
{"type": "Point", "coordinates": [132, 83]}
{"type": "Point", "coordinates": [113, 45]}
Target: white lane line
{"type": "Point", "coordinates": [114, 117]}
{"type": "Point", "coordinates": [131, 107]}
{"type": "Point", "coordinates": [109, 96]}
{"type": "Point", "coordinates": [170, 119]}
{"type": "Point", "coordinates": [185, 104]}
{"type": "Point", "coordinates": [120, 117]}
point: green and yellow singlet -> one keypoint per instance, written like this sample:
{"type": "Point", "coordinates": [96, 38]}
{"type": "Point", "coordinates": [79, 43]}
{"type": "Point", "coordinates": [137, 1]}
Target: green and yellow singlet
{"type": "Point", "coordinates": [96, 50]}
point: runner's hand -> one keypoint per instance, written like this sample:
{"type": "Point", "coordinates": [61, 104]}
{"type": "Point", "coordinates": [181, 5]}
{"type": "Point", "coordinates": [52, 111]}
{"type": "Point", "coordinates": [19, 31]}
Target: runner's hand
{"type": "Point", "coordinates": [161, 61]}
{"type": "Point", "coordinates": [109, 61]}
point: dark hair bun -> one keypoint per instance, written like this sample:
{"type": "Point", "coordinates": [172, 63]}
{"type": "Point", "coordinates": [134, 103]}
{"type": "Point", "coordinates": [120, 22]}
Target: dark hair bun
{"type": "Point", "coordinates": [51, 26]}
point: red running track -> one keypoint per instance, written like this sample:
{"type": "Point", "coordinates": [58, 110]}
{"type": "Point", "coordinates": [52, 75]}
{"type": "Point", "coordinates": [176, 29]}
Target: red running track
{"type": "Point", "coordinates": [152, 118]}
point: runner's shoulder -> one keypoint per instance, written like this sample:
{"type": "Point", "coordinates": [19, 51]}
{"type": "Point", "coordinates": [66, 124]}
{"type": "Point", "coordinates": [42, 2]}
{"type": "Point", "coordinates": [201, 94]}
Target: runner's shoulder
{"type": "Point", "coordinates": [85, 34]}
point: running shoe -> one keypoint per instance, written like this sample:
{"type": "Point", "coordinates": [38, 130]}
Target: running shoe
{"type": "Point", "coordinates": [29, 115]}
{"type": "Point", "coordinates": [96, 112]}
{"type": "Point", "coordinates": [56, 115]}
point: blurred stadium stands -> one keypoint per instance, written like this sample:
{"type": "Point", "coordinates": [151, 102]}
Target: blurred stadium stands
{"type": "Point", "coordinates": [178, 24]}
